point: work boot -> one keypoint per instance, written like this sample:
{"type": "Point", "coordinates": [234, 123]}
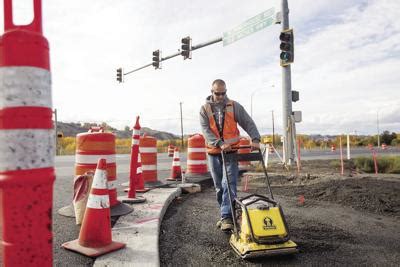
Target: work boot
{"type": "Point", "coordinates": [226, 224]}
{"type": "Point", "coordinates": [219, 223]}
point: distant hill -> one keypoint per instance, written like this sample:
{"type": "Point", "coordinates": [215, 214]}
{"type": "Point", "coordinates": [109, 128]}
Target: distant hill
{"type": "Point", "coordinates": [72, 129]}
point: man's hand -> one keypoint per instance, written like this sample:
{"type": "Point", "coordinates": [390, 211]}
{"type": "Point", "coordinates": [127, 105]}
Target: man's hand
{"type": "Point", "coordinates": [255, 146]}
{"type": "Point", "coordinates": [226, 147]}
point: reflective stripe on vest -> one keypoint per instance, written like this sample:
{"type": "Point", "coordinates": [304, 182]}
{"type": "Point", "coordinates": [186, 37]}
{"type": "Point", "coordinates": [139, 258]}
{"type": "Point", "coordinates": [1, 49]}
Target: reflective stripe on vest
{"type": "Point", "coordinates": [230, 131]}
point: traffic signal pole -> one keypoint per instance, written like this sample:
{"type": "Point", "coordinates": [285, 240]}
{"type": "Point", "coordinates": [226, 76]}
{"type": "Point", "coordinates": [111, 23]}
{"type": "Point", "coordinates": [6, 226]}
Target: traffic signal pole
{"type": "Point", "coordinates": [287, 96]}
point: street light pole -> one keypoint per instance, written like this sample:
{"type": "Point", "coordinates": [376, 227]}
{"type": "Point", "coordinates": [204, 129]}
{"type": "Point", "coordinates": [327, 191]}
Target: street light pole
{"type": "Point", "coordinates": [377, 126]}
{"type": "Point", "coordinates": [273, 129]}
{"type": "Point", "coordinates": [288, 126]}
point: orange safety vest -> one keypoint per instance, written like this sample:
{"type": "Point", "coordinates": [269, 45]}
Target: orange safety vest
{"type": "Point", "coordinates": [230, 132]}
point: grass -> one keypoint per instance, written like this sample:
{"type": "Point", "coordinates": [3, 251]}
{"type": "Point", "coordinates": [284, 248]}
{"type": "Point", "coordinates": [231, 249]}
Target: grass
{"type": "Point", "coordinates": [386, 164]}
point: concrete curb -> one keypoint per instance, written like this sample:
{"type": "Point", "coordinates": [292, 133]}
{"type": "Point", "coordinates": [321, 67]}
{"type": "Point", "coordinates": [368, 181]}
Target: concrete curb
{"type": "Point", "coordinates": [140, 231]}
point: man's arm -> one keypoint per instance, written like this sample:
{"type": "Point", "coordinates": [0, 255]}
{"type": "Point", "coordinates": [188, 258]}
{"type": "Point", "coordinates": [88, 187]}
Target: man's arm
{"type": "Point", "coordinates": [246, 122]}
{"type": "Point", "coordinates": [210, 137]}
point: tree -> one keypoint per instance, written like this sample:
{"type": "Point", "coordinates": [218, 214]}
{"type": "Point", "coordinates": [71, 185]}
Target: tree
{"type": "Point", "coordinates": [387, 138]}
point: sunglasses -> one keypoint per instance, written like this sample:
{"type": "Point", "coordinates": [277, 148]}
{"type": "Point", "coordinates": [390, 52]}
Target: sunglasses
{"type": "Point", "coordinates": [219, 94]}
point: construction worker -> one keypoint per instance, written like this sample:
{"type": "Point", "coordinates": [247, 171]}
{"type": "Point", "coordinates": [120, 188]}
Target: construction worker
{"type": "Point", "coordinates": [219, 118]}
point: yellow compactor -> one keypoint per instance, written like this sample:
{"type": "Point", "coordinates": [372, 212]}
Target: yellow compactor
{"type": "Point", "coordinates": [260, 228]}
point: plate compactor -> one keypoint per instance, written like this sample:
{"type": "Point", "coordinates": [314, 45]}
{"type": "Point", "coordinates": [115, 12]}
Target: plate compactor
{"type": "Point", "coordinates": [259, 226]}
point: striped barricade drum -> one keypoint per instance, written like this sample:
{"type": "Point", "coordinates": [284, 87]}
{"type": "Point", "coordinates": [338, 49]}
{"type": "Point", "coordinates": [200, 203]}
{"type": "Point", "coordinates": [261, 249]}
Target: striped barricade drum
{"type": "Point", "coordinates": [92, 146]}
{"type": "Point", "coordinates": [171, 150]}
{"type": "Point", "coordinates": [197, 156]}
{"type": "Point", "coordinates": [244, 165]}
{"type": "Point", "coordinates": [148, 154]}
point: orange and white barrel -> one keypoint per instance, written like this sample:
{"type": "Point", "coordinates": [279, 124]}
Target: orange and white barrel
{"type": "Point", "coordinates": [197, 156]}
{"type": "Point", "coordinates": [92, 146]}
{"type": "Point", "coordinates": [171, 150]}
{"type": "Point", "coordinates": [244, 165]}
{"type": "Point", "coordinates": [148, 154]}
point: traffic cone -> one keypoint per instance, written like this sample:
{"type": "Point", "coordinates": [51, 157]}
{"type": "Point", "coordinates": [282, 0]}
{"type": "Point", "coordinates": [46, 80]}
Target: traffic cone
{"type": "Point", "coordinates": [95, 235]}
{"type": "Point", "coordinates": [132, 198]}
{"type": "Point", "coordinates": [176, 171]}
{"type": "Point", "coordinates": [139, 177]}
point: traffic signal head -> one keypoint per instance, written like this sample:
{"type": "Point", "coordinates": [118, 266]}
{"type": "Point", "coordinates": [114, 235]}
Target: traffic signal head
{"type": "Point", "coordinates": [119, 75]}
{"type": "Point", "coordinates": [157, 59]}
{"type": "Point", "coordinates": [286, 46]}
{"type": "Point", "coordinates": [186, 47]}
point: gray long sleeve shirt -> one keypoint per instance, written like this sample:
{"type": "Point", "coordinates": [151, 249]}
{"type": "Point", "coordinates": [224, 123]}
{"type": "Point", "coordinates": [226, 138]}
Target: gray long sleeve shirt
{"type": "Point", "coordinates": [241, 117]}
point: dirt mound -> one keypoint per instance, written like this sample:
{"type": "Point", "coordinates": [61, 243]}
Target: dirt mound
{"type": "Point", "coordinates": [369, 194]}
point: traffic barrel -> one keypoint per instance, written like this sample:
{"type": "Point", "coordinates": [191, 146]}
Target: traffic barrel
{"type": "Point", "coordinates": [132, 198]}
{"type": "Point", "coordinates": [95, 235]}
{"type": "Point", "coordinates": [170, 150]}
{"type": "Point", "coordinates": [197, 155]}
{"type": "Point", "coordinates": [148, 153]}
{"type": "Point", "coordinates": [244, 165]}
{"type": "Point", "coordinates": [27, 143]}
{"type": "Point", "coordinates": [176, 171]}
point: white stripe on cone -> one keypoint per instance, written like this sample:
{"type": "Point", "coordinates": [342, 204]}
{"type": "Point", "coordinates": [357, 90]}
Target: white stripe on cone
{"type": "Point", "coordinates": [196, 162]}
{"type": "Point", "coordinates": [176, 155]}
{"type": "Point", "coordinates": [176, 163]}
{"type": "Point", "coordinates": [196, 149]}
{"type": "Point", "coordinates": [100, 179]}
{"type": "Point", "coordinates": [148, 149]}
{"type": "Point", "coordinates": [25, 86]}
{"type": "Point", "coordinates": [93, 159]}
{"type": "Point", "coordinates": [135, 141]}
{"type": "Point", "coordinates": [149, 167]}
{"type": "Point", "coordinates": [136, 132]}
{"type": "Point", "coordinates": [98, 201]}
{"type": "Point", "coordinates": [26, 149]}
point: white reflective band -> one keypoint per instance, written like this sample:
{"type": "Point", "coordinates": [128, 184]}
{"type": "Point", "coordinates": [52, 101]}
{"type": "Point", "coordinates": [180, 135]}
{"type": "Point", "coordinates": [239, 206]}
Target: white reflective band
{"type": "Point", "coordinates": [136, 132]}
{"type": "Point", "coordinates": [135, 142]}
{"type": "Point", "coordinates": [176, 163]}
{"type": "Point", "coordinates": [98, 201]}
{"type": "Point", "coordinates": [93, 159]}
{"type": "Point", "coordinates": [196, 149]}
{"type": "Point", "coordinates": [176, 155]}
{"type": "Point", "coordinates": [111, 185]}
{"type": "Point", "coordinates": [148, 149]}
{"type": "Point", "coordinates": [25, 86]}
{"type": "Point", "coordinates": [100, 179]}
{"type": "Point", "coordinates": [149, 167]}
{"type": "Point", "coordinates": [26, 149]}
{"type": "Point", "coordinates": [139, 170]}
{"type": "Point", "coordinates": [196, 162]}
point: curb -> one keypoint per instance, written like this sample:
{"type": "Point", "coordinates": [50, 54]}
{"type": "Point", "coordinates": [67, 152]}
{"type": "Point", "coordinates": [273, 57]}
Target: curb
{"type": "Point", "coordinates": [140, 231]}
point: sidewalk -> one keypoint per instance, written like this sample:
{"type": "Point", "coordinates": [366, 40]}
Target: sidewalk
{"type": "Point", "coordinates": [140, 231]}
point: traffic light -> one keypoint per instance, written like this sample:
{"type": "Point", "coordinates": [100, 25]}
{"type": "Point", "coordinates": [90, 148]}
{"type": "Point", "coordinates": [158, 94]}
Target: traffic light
{"type": "Point", "coordinates": [119, 75]}
{"type": "Point", "coordinates": [286, 46]}
{"type": "Point", "coordinates": [186, 47]}
{"type": "Point", "coordinates": [295, 96]}
{"type": "Point", "coordinates": [157, 59]}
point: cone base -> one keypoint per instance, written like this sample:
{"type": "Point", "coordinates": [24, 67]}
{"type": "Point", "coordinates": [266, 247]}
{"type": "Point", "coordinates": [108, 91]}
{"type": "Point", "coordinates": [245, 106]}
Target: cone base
{"type": "Point", "coordinates": [174, 179]}
{"type": "Point", "coordinates": [92, 252]}
{"type": "Point", "coordinates": [144, 190]}
{"type": "Point", "coordinates": [120, 209]}
{"type": "Point", "coordinates": [134, 200]}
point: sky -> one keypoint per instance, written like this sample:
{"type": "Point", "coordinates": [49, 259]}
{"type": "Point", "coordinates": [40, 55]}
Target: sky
{"type": "Point", "coordinates": [346, 68]}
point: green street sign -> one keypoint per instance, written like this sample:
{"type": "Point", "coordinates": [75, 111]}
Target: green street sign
{"type": "Point", "coordinates": [252, 25]}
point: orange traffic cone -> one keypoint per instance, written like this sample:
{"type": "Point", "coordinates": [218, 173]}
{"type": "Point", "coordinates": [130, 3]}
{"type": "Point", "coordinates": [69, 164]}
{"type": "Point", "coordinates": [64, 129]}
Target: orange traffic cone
{"type": "Point", "coordinates": [95, 235]}
{"type": "Point", "coordinates": [176, 171]}
{"type": "Point", "coordinates": [132, 198]}
{"type": "Point", "coordinates": [139, 177]}
{"type": "Point", "coordinates": [170, 150]}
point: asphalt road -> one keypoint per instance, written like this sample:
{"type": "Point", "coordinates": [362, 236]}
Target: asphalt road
{"type": "Point", "coordinates": [64, 228]}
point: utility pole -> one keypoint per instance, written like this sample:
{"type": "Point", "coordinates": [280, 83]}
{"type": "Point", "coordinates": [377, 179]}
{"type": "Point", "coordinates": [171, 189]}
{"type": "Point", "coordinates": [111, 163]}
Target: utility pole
{"type": "Point", "coordinates": [180, 103]}
{"type": "Point", "coordinates": [273, 129]}
{"type": "Point", "coordinates": [377, 126]}
{"type": "Point", "coordinates": [287, 96]}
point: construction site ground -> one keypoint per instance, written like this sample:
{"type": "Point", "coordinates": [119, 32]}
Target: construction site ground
{"type": "Point", "coordinates": [342, 220]}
